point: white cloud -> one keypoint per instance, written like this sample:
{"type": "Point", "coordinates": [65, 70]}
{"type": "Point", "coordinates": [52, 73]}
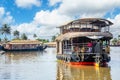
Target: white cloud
{"type": "Point", "coordinates": [2, 11]}
{"type": "Point", "coordinates": [54, 2]}
{"type": "Point", "coordinates": [5, 17]}
{"type": "Point", "coordinates": [94, 8]}
{"type": "Point", "coordinates": [27, 3]}
{"type": "Point", "coordinates": [45, 22]}
{"type": "Point", "coordinates": [47, 18]}
{"type": "Point", "coordinates": [31, 28]}
{"type": "Point", "coordinates": [49, 21]}
{"type": "Point", "coordinates": [28, 28]}
{"type": "Point", "coordinates": [115, 28]}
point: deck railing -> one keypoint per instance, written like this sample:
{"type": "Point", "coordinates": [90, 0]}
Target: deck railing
{"type": "Point", "coordinates": [76, 47]}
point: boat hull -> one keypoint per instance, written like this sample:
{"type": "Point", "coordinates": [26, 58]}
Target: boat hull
{"type": "Point", "coordinates": [40, 48]}
{"type": "Point", "coordinates": [91, 59]}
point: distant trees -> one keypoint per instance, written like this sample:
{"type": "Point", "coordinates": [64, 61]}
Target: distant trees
{"type": "Point", "coordinates": [116, 41]}
{"type": "Point", "coordinates": [5, 30]}
{"type": "Point", "coordinates": [16, 34]}
{"type": "Point", "coordinates": [118, 37]}
{"type": "Point", "coordinates": [24, 37]}
{"type": "Point", "coordinates": [34, 35]}
{"type": "Point", "coordinates": [53, 38]}
{"type": "Point", "coordinates": [43, 40]}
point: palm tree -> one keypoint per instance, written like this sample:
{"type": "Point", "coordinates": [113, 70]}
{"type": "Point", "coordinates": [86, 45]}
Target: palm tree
{"type": "Point", "coordinates": [6, 30]}
{"type": "Point", "coordinates": [53, 38]}
{"type": "Point", "coordinates": [118, 37]}
{"type": "Point", "coordinates": [114, 41]}
{"type": "Point", "coordinates": [34, 35]}
{"type": "Point", "coordinates": [23, 36]}
{"type": "Point", "coordinates": [16, 34]}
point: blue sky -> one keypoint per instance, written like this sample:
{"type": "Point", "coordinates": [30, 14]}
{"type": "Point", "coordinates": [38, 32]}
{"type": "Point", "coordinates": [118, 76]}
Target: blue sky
{"type": "Point", "coordinates": [43, 16]}
{"type": "Point", "coordinates": [21, 14]}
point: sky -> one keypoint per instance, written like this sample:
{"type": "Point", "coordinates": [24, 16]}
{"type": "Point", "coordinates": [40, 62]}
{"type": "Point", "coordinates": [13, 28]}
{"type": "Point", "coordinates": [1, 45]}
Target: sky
{"type": "Point", "coordinates": [41, 17]}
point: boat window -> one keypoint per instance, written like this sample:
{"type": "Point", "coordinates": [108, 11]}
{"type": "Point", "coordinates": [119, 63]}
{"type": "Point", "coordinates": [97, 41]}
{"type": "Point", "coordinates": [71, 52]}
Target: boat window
{"type": "Point", "coordinates": [66, 44]}
{"type": "Point", "coordinates": [83, 25]}
{"type": "Point", "coordinates": [77, 26]}
{"type": "Point", "coordinates": [105, 29]}
{"type": "Point", "coordinates": [89, 26]}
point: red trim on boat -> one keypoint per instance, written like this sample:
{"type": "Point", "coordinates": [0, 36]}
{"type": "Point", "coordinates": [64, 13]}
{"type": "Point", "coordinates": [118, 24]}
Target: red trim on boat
{"type": "Point", "coordinates": [82, 63]}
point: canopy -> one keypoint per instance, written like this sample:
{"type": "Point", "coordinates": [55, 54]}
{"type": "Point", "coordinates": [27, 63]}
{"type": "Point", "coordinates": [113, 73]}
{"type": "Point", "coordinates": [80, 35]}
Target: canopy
{"type": "Point", "coordinates": [24, 42]}
{"type": "Point", "coordinates": [92, 35]}
{"type": "Point", "coordinates": [93, 21]}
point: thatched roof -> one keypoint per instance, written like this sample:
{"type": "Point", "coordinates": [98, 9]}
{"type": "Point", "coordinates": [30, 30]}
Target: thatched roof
{"type": "Point", "coordinates": [51, 43]}
{"type": "Point", "coordinates": [69, 35]}
{"type": "Point", "coordinates": [24, 42]}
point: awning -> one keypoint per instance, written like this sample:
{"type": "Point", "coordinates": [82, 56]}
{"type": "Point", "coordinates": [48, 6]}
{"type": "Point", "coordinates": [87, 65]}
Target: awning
{"type": "Point", "coordinates": [93, 35]}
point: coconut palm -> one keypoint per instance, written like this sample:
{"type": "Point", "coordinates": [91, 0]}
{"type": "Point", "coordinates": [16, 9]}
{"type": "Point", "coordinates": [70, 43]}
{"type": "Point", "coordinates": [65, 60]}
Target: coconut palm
{"type": "Point", "coordinates": [114, 41]}
{"type": "Point", "coordinates": [24, 36]}
{"type": "Point", "coordinates": [53, 38]}
{"type": "Point", "coordinates": [5, 30]}
{"type": "Point", "coordinates": [34, 35]}
{"type": "Point", "coordinates": [16, 34]}
{"type": "Point", "coordinates": [118, 37]}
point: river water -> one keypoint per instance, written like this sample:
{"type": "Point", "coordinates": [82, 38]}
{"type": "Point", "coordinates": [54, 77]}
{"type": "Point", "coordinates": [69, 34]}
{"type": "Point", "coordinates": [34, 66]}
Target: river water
{"type": "Point", "coordinates": [44, 66]}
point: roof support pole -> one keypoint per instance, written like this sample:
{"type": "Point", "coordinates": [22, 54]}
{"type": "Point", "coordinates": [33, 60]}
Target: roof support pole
{"type": "Point", "coordinates": [108, 28]}
{"type": "Point", "coordinates": [79, 26]}
{"type": "Point", "coordinates": [60, 48]}
{"type": "Point", "coordinates": [71, 44]}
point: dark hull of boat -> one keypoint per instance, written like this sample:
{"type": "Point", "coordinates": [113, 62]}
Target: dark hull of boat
{"type": "Point", "coordinates": [40, 48]}
{"type": "Point", "coordinates": [88, 59]}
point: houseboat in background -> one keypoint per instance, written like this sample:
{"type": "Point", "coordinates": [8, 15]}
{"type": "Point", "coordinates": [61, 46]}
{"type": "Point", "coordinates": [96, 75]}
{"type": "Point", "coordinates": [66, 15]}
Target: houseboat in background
{"type": "Point", "coordinates": [24, 45]}
{"type": "Point", "coordinates": [51, 44]}
{"type": "Point", "coordinates": [85, 42]}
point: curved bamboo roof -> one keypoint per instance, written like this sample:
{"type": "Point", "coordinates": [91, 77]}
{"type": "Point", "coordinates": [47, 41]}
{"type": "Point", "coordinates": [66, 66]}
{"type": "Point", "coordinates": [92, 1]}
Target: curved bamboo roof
{"type": "Point", "coordinates": [95, 21]}
{"type": "Point", "coordinates": [67, 36]}
{"type": "Point", "coordinates": [24, 42]}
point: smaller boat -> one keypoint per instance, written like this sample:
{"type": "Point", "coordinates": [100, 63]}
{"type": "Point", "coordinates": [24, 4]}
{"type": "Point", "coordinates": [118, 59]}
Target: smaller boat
{"type": "Point", "coordinates": [24, 45]}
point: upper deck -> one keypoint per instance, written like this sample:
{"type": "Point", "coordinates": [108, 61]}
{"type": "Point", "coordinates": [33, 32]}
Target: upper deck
{"type": "Point", "coordinates": [86, 25]}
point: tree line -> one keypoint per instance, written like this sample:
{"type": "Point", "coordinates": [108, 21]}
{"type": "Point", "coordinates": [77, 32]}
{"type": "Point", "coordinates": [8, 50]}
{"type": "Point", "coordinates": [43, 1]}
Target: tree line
{"type": "Point", "coordinates": [5, 30]}
{"type": "Point", "coordinates": [116, 41]}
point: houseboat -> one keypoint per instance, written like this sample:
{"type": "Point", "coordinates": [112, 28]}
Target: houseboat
{"type": "Point", "coordinates": [24, 45]}
{"type": "Point", "coordinates": [85, 42]}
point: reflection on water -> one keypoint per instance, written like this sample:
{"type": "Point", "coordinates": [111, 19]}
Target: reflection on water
{"type": "Point", "coordinates": [20, 57]}
{"type": "Point", "coordinates": [43, 66]}
{"type": "Point", "coordinates": [28, 65]}
{"type": "Point", "coordinates": [67, 72]}
{"type": "Point", "coordinates": [115, 63]}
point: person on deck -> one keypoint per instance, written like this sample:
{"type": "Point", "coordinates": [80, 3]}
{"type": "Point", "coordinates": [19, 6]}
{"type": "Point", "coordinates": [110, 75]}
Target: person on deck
{"type": "Point", "coordinates": [89, 45]}
{"type": "Point", "coordinates": [93, 46]}
{"type": "Point", "coordinates": [107, 49]}
{"type": "Point", "coordinates": [98, 47]}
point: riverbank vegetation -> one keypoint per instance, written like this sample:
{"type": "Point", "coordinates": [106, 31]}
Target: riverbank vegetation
{"type": "Point", "coordinates": [6, 32]}
{"type": "Point", "coordinates": [116, 41]}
